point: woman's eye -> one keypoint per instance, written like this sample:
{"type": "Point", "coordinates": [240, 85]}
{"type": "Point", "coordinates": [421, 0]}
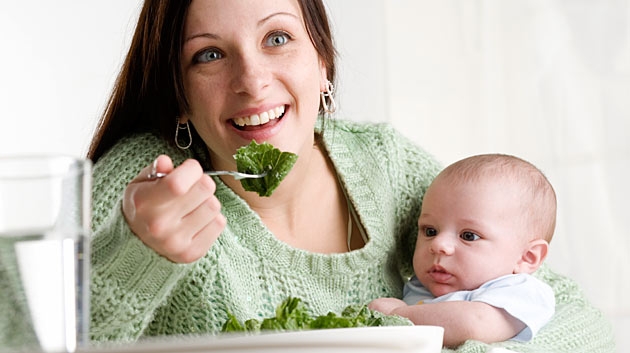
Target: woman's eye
{"type": "Point", "coordinates": [208, 55]}
{"type": "Point", "coordinates": [469, 236]}
{"type": "Point", "coordinates": [430, 232]}
{"type": "Point", "coordinates": [277, 39]}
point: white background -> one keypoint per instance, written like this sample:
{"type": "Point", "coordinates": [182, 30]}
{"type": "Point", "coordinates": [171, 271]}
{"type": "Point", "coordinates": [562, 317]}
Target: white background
{"type": "Point", "coordinates": [547, 80]}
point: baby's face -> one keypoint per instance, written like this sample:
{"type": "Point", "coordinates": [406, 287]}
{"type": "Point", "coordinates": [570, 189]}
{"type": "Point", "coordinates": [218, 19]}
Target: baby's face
{"type": "Point", "coordinates": [469, 233]}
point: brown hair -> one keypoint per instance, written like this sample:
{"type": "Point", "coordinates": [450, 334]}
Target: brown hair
{"type": "Point", "coordinates": [149, 92]}
{"type": "Point", "coordinates": [539, 198]}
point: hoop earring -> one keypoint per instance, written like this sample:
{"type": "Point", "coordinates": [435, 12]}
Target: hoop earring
{"type": "Point", "coordinates": [186, 127]}
{"type": "Point", "coordinates": [328, 100]}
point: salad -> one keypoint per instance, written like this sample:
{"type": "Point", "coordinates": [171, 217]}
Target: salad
{"type": "Point", "coordinates": [292, 315]}
{"type": "Point", "coordinates": [259, 158]}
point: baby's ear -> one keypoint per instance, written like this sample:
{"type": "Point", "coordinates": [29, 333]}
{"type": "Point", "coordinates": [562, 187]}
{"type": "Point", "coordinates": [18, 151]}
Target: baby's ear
{"type": "Point", "coordinates": [532, 257]}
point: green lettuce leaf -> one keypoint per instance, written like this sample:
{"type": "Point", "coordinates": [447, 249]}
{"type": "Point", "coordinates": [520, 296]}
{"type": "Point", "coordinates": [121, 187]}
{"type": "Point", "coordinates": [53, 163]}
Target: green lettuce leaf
{"type": "Point", "coordinates": [292, 315]}
{"type": "Point", "coordinates": [258, 158]}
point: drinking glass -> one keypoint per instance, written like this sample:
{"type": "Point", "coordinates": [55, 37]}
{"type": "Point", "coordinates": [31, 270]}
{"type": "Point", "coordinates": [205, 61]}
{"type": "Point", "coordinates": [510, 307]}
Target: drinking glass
{"type": "Point", "coordinates": [45, 205]}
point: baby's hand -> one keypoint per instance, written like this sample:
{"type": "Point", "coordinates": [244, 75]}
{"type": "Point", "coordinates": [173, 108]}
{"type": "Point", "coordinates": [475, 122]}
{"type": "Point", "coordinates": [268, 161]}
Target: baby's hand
{"type": "Point", "coordinates": [386, 305]}
{"type": "Point", "coordinates": [178, 215]}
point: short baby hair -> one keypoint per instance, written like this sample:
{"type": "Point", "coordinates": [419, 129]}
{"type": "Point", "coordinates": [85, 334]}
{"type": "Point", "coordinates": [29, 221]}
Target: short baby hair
{"type": "Point", "coordinates": [538, 196]}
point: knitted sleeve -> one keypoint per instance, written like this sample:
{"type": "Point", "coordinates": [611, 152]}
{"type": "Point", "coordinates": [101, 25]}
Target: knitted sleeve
{"type": "Point", "coordinates": [128, 279]}
{"type": "Point", "coordinates": [16, 327]}
{"type": "Point", "coordinates": [411, 170]}
{"type": "Point", "coordinates": [576, 326]}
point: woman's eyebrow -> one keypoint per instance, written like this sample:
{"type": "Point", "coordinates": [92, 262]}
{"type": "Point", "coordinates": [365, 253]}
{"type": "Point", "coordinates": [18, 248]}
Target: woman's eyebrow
{"type": "Point", "coordinates": [202, 35]}
{"type": "Point", "coordinates": [267, 18]}
{"type": "Point", "coordinates": [260, 23]}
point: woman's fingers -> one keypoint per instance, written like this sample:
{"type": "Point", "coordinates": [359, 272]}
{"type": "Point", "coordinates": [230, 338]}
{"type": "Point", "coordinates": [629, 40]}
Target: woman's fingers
{"type": "Point", "coordinates": [177, 215]}
{"type": "Point", "coordinates": [204, 237]}
{"type": "Point", "coordinates": [162, 164]}
{"type": "Point", "coordinates": [199, 229]}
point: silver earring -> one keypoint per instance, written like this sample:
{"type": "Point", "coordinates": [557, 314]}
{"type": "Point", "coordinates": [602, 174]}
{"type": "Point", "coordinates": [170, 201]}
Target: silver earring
{"type": "Point", "coordinates": [328, 100]}
{"type": "Point", "coordinates": [186, 127]}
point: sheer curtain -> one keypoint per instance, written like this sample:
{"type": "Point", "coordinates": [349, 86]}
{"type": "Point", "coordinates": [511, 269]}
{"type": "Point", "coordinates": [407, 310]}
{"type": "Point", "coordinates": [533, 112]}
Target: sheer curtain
{"type": "Point", "coordinates": [547, 80]}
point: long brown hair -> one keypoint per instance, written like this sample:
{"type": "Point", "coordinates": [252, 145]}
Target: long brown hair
{"type": "Point", "coordinates": [149, 92]}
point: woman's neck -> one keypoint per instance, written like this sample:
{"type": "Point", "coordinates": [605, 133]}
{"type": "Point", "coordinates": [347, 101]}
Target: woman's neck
{"type": "Point", "coordinates": [297, 187]}
{"type": "Point", "coordinates": [308, 210]}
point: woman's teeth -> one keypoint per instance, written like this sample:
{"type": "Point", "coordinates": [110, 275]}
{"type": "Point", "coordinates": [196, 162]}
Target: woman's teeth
{"type": "Point", "coordinates": [259, 119]}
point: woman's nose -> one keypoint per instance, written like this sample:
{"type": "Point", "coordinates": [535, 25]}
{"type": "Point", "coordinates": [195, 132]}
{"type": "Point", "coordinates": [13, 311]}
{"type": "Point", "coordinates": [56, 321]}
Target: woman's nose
{"type": "Point", "coordinates": [250, 75]}
{"type": "Point", "coordinates": [442, 244]}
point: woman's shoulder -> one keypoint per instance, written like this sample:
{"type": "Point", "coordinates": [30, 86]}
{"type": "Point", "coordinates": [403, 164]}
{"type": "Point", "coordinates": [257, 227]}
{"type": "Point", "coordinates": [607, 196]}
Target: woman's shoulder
{"type": "Point", "coordinates": [371, 137]}
{"type": "Point", "coordinates": [363, 127]}
{"type": "Point", "coordinates": [138, 150]}
{"type": "Point", "coordinates": [138, 144]}
{"type": "Point", "coordinates": [123, 161]}
{"type": "Point", "coordinates": [381, 139]}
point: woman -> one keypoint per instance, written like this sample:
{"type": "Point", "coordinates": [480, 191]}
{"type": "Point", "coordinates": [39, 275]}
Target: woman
{"type": "Point", "coordinates": [174, 255]}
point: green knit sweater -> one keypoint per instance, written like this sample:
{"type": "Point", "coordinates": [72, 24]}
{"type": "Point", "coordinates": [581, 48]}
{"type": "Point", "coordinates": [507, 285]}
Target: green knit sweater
{"type": "Point", "coordinates": [136, 293]}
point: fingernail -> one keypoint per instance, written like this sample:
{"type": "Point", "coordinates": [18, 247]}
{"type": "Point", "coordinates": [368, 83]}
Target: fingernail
{"type": "Point", "coordinates": [154, 167]}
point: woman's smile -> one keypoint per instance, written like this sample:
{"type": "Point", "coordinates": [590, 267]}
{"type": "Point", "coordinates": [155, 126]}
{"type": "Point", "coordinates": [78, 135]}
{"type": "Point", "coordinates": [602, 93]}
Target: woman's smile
{"type": "Point", "coordinates": [255, 120]}
{"type": "Point", "coordinates": [251, 72]}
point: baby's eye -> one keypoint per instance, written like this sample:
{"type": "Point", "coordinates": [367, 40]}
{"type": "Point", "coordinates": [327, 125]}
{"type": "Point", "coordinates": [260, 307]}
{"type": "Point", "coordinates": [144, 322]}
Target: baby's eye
{"type": "Point", "coordinates": [430, 232]}
{"type": "Point", "coordinates": [469, 236]}
{"type": "Point", "coordinates": [277, 39]}
{"type": "Point", "coordinates": [207, 55]}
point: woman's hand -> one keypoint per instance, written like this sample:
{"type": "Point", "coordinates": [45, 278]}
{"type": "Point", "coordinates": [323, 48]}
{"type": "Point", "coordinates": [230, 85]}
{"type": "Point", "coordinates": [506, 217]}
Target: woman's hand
{"type": "Point", "coordinates": [178, 215]}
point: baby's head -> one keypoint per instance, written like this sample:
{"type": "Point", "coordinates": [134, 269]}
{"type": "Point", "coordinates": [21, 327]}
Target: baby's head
{"type": "Point", "coordinates": [483, 217]}
{"type": "Point", "coordinates": [534, 193]}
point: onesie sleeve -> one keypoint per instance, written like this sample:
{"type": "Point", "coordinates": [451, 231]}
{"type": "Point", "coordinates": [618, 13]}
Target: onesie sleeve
{"type": "Point", "coordinates": [576, 326]}
{"type": "Point", "coordinates": [523, 296]}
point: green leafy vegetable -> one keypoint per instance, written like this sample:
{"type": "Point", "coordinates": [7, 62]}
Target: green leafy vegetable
{"type": "Point", "coordinates": [259, 158]}
{"type": "Point", "coordinates": [292, 315]}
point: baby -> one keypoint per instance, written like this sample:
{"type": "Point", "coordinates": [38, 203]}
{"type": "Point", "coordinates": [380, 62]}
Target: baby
{"type": "Point", "coordinates": [485, 227]}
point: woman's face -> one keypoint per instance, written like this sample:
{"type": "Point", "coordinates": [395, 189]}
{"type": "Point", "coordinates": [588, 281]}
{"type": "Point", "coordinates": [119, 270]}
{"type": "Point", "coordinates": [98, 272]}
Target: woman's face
{"type": "Point", "coordinates": [250, 73]}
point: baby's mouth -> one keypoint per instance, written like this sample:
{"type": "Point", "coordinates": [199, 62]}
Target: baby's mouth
{"type": "Point", "coordinates": [439, 274]}
{"type": "Point", "coordinates": [243, 122]}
